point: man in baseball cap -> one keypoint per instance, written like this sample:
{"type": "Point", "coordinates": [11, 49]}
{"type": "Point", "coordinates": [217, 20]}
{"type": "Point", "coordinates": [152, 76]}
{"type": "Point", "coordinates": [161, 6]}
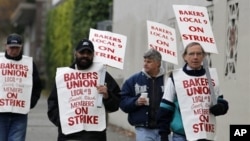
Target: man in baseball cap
{"type": "Point", "coordinates": [84, 55]}
{"type": "Point", "coordinates": [27, 88]}
{"type": "Point", "coordinates": [14, 47]}
{"type": "Point", "coordinates": [14, 40]}
{"type": "Point", "coordinates": [85, 44]}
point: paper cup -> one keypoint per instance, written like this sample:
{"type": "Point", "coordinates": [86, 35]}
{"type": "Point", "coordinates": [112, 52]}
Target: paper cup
{"type": "Point", "coordinates": [144, 95]}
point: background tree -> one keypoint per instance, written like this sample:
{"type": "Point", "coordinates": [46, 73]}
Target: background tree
{"type": "Point", "coordinates": [66, 25]}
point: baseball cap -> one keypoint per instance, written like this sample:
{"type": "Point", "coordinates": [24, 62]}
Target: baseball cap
{"type": "Point", "coordinates": [85, 44]}
{"type": "Point", "coordinates": [14, 40]}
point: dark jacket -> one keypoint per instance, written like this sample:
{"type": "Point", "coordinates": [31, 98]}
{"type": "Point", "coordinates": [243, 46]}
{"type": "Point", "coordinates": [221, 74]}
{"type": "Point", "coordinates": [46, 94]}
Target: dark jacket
{"type": "Point", "coordinates": [111, 105]}
{"type": "Point", "coordinates": [37, 87]}
{"type": "Point", "coordinates": [142, 116]}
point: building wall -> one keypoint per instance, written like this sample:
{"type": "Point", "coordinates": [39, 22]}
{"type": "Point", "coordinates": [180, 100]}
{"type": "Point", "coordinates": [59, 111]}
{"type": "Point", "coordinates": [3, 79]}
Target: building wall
{"type": "Point", "coordinates": [129, 19]}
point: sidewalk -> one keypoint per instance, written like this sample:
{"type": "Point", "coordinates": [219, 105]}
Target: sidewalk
{"type": "Point", "coordinates": [41, 129]}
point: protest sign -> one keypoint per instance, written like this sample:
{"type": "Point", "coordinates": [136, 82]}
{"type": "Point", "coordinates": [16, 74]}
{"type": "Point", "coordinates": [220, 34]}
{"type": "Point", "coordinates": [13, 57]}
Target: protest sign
{"type": "Point", "coordinates": [109, 47]}
{"type": "Point", "coordinates": [194, 26]}
{"type": "Point", "coordinates": [163, 39]}
{"type": "Point", "coordinates": [194, 99]}
{"type": "Point", "coordinates": [16, 84]}
{"type": "Point", "coordinates": [77, 96]}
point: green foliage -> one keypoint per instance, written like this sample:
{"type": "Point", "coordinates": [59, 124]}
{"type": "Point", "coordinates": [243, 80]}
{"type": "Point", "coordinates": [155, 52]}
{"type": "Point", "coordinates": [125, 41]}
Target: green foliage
{"type": "Point", "coordinates": [86, 15]}
{"type": "Point", "coordinates": [58, 47]}
{"type": "Point", "coordinates": [66, 25]}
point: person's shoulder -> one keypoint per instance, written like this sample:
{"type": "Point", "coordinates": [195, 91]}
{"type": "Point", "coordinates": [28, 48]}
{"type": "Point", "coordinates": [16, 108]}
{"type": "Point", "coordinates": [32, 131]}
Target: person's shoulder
{"type": "Point", "coordinates": [171, 72]}
{"type": "Point", "coordinates": [137, 74]}
{"type": "Point", "coordinates": [25, 56]}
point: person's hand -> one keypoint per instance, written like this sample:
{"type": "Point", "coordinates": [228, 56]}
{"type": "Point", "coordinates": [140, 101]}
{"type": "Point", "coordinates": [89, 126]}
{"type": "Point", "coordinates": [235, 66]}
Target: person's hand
{"type": "Point", "coordinates": [102, 89]}
{"type": "Point", "coordinates": [141, 101]}
{"type": "Point", "coordinates": [220, 108]}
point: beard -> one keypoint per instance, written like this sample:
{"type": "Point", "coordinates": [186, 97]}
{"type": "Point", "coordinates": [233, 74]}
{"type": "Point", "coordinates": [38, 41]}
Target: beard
{"type": "Point", "coordinates": [83, 63]}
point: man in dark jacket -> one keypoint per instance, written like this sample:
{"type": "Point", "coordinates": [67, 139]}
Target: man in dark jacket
{"type": "Point", "coordinates": [20, 89]}
{"type": "Point", "coordinates": [141, 95]}
{"type": "Point", "coordinates": [84, 54]}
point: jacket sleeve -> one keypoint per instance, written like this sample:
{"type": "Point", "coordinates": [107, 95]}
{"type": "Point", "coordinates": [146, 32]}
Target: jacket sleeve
{"type": "Point", "coordinates": [112, 103]}
{"type": "Point", "coordinates": [164, 117]}
{"type": "Point", "coordinates": [167, 108]}
{"type": "Point", "coordinates": [37, 87]}
{"type": "Point", "coordinates": [128, 97]}
{"type": "Point", "coordinates": [220, 108]}
{"type": "Point", "coordinates": [53, 109]}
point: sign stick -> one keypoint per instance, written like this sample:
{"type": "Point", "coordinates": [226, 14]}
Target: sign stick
{"type": "Point", "coordinates": [205, 64]}
{"type": "Point", "coordinates": [102, 82]}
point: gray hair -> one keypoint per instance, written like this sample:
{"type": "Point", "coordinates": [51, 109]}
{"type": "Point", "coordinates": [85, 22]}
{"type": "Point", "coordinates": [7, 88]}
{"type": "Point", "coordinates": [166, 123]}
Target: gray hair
{"type": "Point", "coordinates": [152, 54]}
{"type": "Point", "coordinates": [193, 44]}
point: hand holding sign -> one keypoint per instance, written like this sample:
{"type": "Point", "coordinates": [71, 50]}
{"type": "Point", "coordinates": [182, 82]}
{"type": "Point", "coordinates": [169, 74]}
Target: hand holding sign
{"type": "Point", "coordinates": [102, 83]}
{"type": "Point", "coordinates": [102, 89]}
{"type": "Point", "coordinates": [110, 50]}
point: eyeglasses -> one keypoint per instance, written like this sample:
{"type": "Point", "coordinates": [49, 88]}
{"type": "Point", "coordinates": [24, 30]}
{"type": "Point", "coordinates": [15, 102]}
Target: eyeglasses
{"type": "Point", "coordinates": [195, 53]}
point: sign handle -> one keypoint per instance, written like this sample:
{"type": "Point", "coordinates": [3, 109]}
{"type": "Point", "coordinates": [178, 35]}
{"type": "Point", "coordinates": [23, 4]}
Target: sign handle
{"type": "Point", "coordinates": [213, 96]}
{"type": "Point", "coordinates": [102, 82]}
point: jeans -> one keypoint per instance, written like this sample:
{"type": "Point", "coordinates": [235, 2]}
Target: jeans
{"type": "Point", "coordinates": [177, 137]}
{"type": "Point", "coordinates": [145, 134]}
{"type": "Point", "coordinates": [13, 127]}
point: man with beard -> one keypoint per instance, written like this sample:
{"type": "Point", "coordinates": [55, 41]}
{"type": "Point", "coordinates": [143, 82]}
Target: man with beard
{"type": "Point", "coordinates": [83, 63]}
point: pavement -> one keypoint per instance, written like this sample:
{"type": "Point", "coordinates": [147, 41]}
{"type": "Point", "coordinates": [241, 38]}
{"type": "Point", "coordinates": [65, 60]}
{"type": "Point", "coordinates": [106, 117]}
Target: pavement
{"type": "Point", "coordinates": [41, 129]}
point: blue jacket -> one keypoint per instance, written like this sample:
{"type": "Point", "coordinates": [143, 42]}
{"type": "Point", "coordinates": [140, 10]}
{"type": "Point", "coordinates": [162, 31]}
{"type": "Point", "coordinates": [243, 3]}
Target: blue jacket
{"type": "Point", "coordinates": [142, 116]}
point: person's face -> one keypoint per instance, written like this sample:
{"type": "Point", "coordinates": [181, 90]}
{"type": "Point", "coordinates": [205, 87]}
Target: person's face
{"type": "Point", "coordinates": [194, 56]}
{"type": "Point", "coordinates": [13, 51]}
{"type": "Point", "coordinates": [84, 59]}
{"type": "Point", "coordinates": [151, 66]}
